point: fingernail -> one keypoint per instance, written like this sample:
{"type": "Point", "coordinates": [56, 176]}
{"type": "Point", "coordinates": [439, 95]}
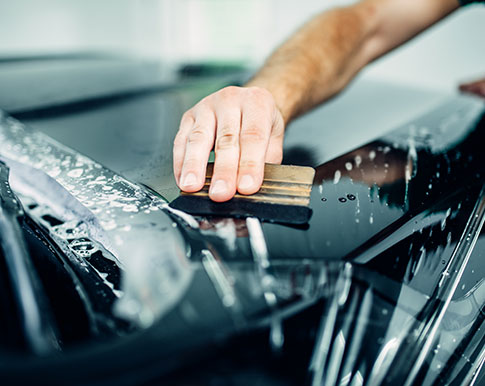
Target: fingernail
{"type": "Point", "coordinates": [218, 187]}
{"type": "Point", "coordinates": [246, 182]}
{"type": "Point", "coordinates": [189, 180]}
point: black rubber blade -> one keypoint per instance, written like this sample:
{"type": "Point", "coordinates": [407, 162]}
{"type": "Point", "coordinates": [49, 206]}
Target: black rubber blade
{"type": "Point", "coordinates": [239, 208]}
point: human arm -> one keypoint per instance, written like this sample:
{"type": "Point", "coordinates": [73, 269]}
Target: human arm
{"type": "Point", "coordinates": [476, 87]}
{"type": "Point", "coordinates": [246, 125]}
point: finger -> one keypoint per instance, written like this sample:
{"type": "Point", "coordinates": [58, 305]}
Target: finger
{"type": "Point", "coordinates": [179, 144]}
{"type": "Point", "coordinates": [254, 139]}
{"type": "Point", "coordinates": [223, 185]}
{"type": "Point", "coordinates": [475, 88]}
{"type": "Point", "coordinates": [468, 86]}
{"type": "Point", "coordinates": [480, 88]}
{"type": "Point", "coordinates": [198, 146]}
{"type": "Point", "coordinates": [274, 153]}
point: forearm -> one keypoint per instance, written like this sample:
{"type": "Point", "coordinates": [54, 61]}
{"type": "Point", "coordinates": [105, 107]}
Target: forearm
{"type": "Point", "coordinates": [322, 58]}
{"type": "Point", "coordinates": [319, 60]}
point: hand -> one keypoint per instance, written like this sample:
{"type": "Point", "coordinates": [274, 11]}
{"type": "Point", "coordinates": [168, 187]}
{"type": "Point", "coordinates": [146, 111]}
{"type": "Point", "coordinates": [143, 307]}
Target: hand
{"type": "Point", "coordinates": [477, 88]}
{"type": "Point", "coordinates": [246, 130]}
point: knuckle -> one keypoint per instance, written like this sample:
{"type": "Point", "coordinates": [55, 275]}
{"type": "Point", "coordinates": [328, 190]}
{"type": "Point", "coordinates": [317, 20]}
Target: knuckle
{"type": "Point", "coordinates": [197, 135]}
{"type": "Point", "coordinates": [261, 103]}
{"type": "Point", "coordinates": [203, 108]}
{"type": "Point", "coordinates": [249, 164]}
{"type": "Point", "coordinates": [187, 117]}
{"type": "Point", "coordinates": [261, 94]}
{"type": "Point", "coordinates": [230, 91]}
{"type": "Point", "coordinates": [253, 134]}
{"type": "Point", "coordinates": [226, 139]}
{"type": "Point", "coordinates": [187, 120]}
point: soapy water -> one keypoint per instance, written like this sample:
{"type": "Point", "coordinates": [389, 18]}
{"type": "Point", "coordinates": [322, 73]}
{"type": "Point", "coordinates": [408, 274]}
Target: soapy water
{"type": "Point", "coordinates": [82, 247]}
{"type": "Point", "coordinates": [72, 236]}
{"type": "Point", "coordinates": [97, 207]}
{"type": "Point", "coordinates": [411, 168]}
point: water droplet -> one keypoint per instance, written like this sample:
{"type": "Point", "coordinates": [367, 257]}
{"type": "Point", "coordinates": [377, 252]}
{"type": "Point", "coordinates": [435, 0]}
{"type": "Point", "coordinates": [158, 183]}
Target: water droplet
{"type": "Point", "coordinates": [130, 208]}
{"type": "Point", "coordinates": [54, 172]}
{"type": "Point", "coordinates": [75, 173]}
{"type": "Point", "coordinates": [323, 199]}
{"type": "Point", "coordinates": [342, 199]}
{"type": "Point", "coordinates": [348, 166]}
{"type": "Point", "coordinates": [118, 240]}
{"type": "Point", "coordinates": [351, 197]}
{"type": "Point", "coordinates": [358, 160]}
{"type": "Point", "coordinates": [82, 247]}
{"type": "Point", "coordinates": [108, 225]}
{"type": "Point", "coordinates": [336, 176]}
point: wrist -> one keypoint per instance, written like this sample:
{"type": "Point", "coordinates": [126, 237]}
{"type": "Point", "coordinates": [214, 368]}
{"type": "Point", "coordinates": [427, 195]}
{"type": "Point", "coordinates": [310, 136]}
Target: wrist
{"type": "Point", "coordinates": [283, 104]}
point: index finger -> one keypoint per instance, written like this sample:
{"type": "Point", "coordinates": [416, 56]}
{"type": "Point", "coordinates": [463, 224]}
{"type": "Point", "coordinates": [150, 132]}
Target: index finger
{"type": "Point", "coordinates": [197, 148]}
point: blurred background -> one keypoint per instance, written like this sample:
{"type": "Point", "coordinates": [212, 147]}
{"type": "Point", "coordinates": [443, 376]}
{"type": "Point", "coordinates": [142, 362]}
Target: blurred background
{"type": "Point", "coordinates": [228, 31]}
{"type": "Point", "coordinates": [111, 78]}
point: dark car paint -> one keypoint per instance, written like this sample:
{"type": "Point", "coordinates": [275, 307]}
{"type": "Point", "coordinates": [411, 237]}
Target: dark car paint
{"type": "Point", "coordinates": [403, 242]}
